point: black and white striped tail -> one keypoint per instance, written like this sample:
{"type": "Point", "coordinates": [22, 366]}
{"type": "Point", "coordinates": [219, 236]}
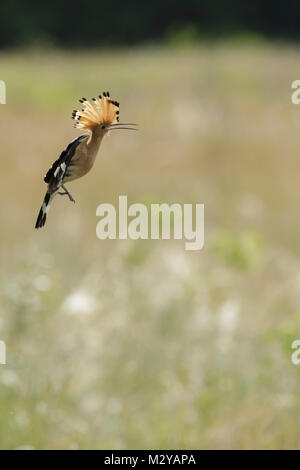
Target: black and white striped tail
{"type": "Point", "coordinates": [44, 210]}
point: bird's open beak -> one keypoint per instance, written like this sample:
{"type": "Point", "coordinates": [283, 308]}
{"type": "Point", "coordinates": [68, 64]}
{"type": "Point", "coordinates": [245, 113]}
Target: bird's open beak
{"type": "Point", "coordinates": [123, 125]}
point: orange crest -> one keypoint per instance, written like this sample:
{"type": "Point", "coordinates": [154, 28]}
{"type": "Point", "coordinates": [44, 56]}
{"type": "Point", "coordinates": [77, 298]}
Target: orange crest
{"type": "Point", "coordinates": [101, 110]}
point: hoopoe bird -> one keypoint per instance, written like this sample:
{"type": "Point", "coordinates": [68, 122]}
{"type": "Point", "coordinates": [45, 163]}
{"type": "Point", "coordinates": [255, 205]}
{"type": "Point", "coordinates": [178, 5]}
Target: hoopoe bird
{"type": "Point", "coordinates": [97, 118]}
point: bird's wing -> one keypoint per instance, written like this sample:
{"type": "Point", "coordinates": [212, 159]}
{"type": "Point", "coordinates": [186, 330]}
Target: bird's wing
{"type": "Point", "coordinates": [56, 173]}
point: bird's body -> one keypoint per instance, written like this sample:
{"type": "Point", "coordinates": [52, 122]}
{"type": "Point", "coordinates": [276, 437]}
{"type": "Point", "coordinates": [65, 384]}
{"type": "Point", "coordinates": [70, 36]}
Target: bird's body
{"type": "Point", "coordinates": [84, 158]}
{"type": "Point", "coordinates": [79, 156]}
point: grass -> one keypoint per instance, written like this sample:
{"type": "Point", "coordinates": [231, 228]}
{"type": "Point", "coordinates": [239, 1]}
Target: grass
{"type": "Point", "coordinates": [140, 344]}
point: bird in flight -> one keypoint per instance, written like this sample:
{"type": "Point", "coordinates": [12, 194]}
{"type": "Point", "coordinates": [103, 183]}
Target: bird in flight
{"type": "Point", "coordinates": [97, 117]}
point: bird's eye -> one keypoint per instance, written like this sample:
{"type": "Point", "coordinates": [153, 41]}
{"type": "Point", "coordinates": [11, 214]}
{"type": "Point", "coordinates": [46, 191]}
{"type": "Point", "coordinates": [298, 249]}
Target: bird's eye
{"type": "Point", "coordinates": [103, 127]}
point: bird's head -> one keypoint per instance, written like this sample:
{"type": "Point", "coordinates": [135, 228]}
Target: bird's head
{"type": "Point", "coordinates": [100, 116]}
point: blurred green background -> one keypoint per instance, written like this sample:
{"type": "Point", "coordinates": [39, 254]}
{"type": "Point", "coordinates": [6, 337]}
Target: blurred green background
{"type": "Point", "coordinates": [140, 344]}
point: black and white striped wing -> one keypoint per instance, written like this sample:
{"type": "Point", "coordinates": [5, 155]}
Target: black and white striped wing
{"type": "Point", "coordinates": [55, 175]}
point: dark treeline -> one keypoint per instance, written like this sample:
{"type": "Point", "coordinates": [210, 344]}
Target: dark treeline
{"type": "Point", "coordinates": [97, 23]}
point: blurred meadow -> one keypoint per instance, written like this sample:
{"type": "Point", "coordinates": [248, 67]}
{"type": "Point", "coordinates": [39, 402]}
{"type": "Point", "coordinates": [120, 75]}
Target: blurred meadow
{"type": "Point", "coordinates": [141, 344]}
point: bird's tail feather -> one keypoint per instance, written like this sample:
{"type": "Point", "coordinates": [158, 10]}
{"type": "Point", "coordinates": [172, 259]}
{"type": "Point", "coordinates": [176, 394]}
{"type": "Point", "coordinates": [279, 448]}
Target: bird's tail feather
{"type": "Point", "coordinates": [40, 222]}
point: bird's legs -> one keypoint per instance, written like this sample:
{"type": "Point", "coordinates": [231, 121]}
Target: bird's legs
{"type": "Point", "coordinates": [67, 192]}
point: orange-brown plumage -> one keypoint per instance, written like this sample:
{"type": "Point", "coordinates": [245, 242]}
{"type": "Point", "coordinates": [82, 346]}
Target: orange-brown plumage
{"type": "Point", "coordinates": [98, 117]}
{"type": "Point", "coordinates": [102, 110]}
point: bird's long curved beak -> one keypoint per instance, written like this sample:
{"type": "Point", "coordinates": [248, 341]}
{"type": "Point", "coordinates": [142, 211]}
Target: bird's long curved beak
{"type": "Point", "coordinates": [123, 125]}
